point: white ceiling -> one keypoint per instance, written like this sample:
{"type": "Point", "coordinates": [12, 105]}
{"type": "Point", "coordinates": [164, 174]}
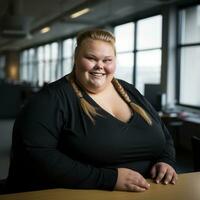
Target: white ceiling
{"type": "Point", "coordinates": [56, 14]}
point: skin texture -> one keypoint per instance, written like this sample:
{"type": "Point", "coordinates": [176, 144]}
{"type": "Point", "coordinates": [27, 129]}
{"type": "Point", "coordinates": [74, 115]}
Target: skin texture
{"type": "Point", "coordinates": [95, 63]}
{"type": "Point", "coordinates": [130, 180]}
{"type": "Point", "coordinates": [164, 173]}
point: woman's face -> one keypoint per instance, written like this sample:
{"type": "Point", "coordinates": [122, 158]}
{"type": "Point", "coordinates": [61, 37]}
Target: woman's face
{"type": "Point", "coordinates": [95, 65]}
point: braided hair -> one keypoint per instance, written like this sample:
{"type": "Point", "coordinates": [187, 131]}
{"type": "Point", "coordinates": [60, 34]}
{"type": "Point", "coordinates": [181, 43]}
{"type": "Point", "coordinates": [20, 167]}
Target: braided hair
{"type": "Point", "coordinates": [90, 111]}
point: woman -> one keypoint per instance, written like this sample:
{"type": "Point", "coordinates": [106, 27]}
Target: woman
{"type": "Point", "coordinates": [90, 130]}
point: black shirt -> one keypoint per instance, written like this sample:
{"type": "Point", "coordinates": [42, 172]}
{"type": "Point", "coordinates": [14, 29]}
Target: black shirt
{"type": "Point", "coordinates": [55, 144]}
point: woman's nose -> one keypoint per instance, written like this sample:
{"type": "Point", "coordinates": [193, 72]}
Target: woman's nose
{"type": "Point", "coordinates": [99, 64]}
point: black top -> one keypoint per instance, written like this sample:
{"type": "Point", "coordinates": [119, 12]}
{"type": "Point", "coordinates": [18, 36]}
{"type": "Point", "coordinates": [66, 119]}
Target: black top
{"type": "Point", "coordinates": [55, 144]}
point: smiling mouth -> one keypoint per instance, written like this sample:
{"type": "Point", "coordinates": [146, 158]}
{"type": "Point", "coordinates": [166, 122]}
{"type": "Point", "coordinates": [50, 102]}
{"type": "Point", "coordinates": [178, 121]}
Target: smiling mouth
{"type": "Point", "coordinates": [97, 74]}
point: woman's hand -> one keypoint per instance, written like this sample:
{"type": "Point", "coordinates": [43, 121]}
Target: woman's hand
{"type": "Point", "coordinates": [162, 172]}
{"type": "Point", "coordinates": [130, 180]}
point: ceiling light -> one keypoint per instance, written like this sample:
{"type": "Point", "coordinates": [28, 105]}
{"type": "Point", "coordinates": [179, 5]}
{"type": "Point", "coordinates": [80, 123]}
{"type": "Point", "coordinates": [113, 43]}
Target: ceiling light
{"type": "Point", "coordinates": [45, 30]}
{"type": "Point", "coordinates": [79, 13]}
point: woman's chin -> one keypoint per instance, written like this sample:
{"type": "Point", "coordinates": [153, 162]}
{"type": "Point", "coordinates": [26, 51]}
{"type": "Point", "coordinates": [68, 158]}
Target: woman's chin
{"type": "Point", "coordinates": [96, 88]}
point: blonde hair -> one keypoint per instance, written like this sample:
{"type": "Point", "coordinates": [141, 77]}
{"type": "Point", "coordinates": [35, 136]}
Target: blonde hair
{"type": "Point", "coordinates": [95, 34]}
{"type": "Point", "coordinates": [133, 105]}
{"type": "Point", "coordinates": [90, 110]}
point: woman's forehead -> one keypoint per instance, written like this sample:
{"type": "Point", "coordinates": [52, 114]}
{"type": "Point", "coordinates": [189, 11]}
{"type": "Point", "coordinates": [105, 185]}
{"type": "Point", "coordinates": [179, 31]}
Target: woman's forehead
{"type": "Point", "coordinates": [95, 44]}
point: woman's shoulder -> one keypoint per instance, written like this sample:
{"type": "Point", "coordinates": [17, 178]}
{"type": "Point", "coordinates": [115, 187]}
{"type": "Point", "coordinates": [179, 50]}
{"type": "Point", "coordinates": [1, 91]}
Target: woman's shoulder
{"type": "Point", "coordinates": [59, 87]}
{"type": "Point", "coordinates": [129, 87]}
{"type": "Point", "coordinates": [138, 98]}
{"type": "Point", "coordinates": [51, 94]}
{"type": "Point", "coordinates": [60, 84]}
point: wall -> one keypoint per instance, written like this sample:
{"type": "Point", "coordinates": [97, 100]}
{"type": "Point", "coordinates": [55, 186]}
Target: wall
{"type": "Point", "coordinates": [12, 65]}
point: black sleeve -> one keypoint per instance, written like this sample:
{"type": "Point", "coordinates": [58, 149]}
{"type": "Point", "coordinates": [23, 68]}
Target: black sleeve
{"type": "Point", "coordinates": [168, 154]}
{"type": "Point", "coordinates": [39, 126]}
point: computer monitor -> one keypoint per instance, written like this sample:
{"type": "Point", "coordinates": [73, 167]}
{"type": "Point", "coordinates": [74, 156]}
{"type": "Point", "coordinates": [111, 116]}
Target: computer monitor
{"type": "Point", "coordinates": [153, 94]}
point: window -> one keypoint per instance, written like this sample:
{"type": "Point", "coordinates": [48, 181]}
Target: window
{"type": "Point", "coordinates": [148, 51]}
{"type": "Point", "coordinates": [24, 66]}
{"type": "Point", "coordinates": [56, 71]}
{"type": "Point", "coordinates": [49, 67]}
{"type": "Point", "coordinates": [54, 61]}
{"type": "Point", "coordinates": [124, 47]}
{"type": "Point", "coordinates": [145, 59]}
{"type": "Point", "coordinates": [47, 63]}
{"type": "Point", "coordinates": [68, 53]}
{"type": "Point", "coordinates": [189, 49]}
{"type": "Point", "coordinates": [32, 70]}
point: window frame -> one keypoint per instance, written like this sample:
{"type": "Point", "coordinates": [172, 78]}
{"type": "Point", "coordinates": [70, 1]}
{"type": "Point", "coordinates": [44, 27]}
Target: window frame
{"type": "Point", "coordinates": [135, 50]}
{"type": "Point", "coordinates": [180, 46]}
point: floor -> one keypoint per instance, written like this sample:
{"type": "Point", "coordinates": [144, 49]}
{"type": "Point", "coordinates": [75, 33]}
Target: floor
{"type": "Point", "coordinates": [184, 162]}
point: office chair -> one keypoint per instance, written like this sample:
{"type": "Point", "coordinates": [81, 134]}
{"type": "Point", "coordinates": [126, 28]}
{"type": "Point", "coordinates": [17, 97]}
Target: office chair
{"type": "Point", "coordinates": [196, 152]}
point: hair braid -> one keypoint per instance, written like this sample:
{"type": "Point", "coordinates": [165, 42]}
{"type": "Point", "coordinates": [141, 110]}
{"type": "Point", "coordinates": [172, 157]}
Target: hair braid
{"type": "Point", "coordinates": [133, 105]}
{"type": "Point", "coordinates": [89, 110]}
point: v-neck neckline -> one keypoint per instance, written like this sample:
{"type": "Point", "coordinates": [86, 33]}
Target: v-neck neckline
{"type": "Point", "coordinates": [92, 101]}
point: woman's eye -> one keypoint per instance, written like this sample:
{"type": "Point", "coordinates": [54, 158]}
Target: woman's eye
{"type": "Point", "coordinates": [90, 58]}
{"type": "Point", "coordinates": [107, 60]}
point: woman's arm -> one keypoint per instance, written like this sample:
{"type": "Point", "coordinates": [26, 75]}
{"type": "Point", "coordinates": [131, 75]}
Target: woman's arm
{"type": "Point", "coordinates": [163, 169]}
{"type": "Point", "coordinates": [36, 137]}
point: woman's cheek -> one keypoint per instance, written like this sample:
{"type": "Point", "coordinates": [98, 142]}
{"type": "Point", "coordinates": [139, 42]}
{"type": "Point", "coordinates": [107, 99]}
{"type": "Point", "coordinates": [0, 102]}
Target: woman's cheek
{"type": "Point", "coordinates": [110, 69]}
{"type": "Point", "coordinates": [86, 65]}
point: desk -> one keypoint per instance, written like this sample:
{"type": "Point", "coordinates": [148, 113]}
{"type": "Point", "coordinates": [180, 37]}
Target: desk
{"type": "Point", "coordinates": [187, 188]}
{"type": "Point", "coordinates": [182, 129]}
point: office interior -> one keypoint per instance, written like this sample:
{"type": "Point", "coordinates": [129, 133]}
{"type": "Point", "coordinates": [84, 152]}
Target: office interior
{"type": "Point", "coordinates": [158, 50]}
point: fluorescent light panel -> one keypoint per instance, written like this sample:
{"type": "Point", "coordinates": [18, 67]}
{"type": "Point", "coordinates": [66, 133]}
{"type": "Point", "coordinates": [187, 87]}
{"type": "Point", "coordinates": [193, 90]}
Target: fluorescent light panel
{"type": "Point", "coordinates": [45, 30]}
{"type": "Point", "coordinates": [79, 13]}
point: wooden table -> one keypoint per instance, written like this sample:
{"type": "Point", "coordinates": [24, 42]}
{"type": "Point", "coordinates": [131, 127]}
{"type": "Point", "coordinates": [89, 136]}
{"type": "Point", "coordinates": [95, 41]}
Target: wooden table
{"type": "Point", "coordinates": [187, 188]}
